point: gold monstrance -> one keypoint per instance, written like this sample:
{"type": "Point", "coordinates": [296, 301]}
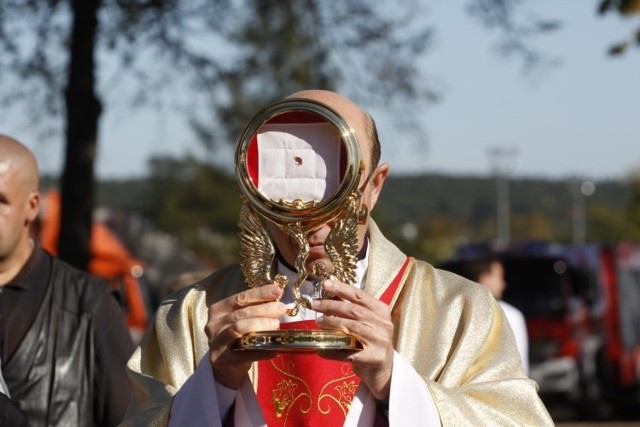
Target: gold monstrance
{"type": "Point", "coordinates": [289, 134]}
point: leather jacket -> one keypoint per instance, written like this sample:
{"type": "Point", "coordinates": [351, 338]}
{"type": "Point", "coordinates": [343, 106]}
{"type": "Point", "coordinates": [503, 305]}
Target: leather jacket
{"type": "Point", "coordinates": [51, 374]}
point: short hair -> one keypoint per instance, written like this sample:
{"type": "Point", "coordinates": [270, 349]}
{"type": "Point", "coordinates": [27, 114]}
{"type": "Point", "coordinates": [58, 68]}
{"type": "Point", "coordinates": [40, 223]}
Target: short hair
{"type": "Point", "coordinates": [372, 134]}
{"type": "Point", "coordinates": [471, 268]}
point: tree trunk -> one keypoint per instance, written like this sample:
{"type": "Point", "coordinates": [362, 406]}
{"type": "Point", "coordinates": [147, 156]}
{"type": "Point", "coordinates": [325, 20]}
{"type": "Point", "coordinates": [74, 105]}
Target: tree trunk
{"type": "Point", "coordinates": [83, 113]}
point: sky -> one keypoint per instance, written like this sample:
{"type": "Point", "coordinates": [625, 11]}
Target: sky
{"type": "Point", "coordinates": [579, 119]}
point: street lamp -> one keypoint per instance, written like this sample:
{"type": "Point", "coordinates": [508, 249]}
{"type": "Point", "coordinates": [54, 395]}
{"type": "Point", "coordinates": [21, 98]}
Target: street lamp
{"type": "Point", "coordinates": [501, 159]}
{"type": "Point", "coordinates": [580, 190]}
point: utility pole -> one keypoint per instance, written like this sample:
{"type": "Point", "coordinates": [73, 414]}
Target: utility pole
{"type": "Point", "coordinates": [501, 159]}
{"type": "Point", "coordinates": [580, 190]}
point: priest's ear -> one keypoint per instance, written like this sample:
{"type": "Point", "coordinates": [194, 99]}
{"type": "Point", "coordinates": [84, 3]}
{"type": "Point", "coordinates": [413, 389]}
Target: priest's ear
{"type": "Point", "coordinates": [377, 181]}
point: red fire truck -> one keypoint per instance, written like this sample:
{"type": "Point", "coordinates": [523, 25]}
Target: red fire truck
{"type": "Point", "coordinates": [582, 307]}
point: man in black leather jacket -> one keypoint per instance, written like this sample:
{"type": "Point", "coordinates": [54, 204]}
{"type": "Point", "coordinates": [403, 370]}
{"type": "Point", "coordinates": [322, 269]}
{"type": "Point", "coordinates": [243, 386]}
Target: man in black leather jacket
{"type": "Point", "coordinates": [63, 341]}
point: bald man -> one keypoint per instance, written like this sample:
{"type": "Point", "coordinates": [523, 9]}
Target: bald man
{"type": "Point", "coordinates": [435, 348]}
{"type": "Point", "coordinates": [63, 341]}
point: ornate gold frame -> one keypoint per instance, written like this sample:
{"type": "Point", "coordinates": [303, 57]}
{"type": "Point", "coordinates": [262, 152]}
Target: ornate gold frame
{"type": "Point", "coordinates": [286, 213]}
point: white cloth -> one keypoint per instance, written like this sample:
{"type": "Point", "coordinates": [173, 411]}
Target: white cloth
{"type": "Point", "coordinates": [298, 161]}
{"type": "Point", "coordinates": [203, 402]}
{"type": "Point", "coordinates": [519, 328]}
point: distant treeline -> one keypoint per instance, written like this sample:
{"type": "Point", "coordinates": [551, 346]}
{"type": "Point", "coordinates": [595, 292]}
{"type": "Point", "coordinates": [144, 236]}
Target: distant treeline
{"type": "Point", "coordinates": [428, 215]}
{"type": "Point", "coordinates": [473, 199]}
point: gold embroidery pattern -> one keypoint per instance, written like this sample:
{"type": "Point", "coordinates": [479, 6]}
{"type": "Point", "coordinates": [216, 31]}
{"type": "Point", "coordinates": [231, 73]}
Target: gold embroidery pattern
{"type": "Point", "coordinates": [284, 395]}
{"type": "Point", "coordinates": [341, 391]}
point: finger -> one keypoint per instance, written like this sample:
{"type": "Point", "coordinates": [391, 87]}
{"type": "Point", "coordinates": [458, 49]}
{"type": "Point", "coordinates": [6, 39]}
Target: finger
{"type": "Point", "coordinates": [253, 324]}
{"type": "Point", "coordinates": [349, 293]}
{"type": "Point", "coordinates": [271, 309]}
{"type": "Point", "coordinates": [363, 330]}
{"type": "Point", "coordinates": [238, 322]}
{"type": "Point", "coordinates": [340, 308]}
{"type": "Point", "coordinates": [257, 295]}
{"type": "Point", "coordinates": [227, 337]}
{"type": "Point", "coordinates": [226, 325]}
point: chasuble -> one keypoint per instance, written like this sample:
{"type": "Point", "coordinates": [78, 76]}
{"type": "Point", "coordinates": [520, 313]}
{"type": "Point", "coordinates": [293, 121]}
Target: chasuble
{"type": "Point", "coordinates": [451, 332]}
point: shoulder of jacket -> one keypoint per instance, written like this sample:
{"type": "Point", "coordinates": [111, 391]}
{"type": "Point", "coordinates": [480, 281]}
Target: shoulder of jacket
{"type": "Point", "coordinates": [78, 286]}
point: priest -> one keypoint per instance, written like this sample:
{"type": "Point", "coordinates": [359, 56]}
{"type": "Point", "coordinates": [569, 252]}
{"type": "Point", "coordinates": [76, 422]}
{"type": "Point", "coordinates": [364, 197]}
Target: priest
{"type": "Point", "coordinates": [433, 348]}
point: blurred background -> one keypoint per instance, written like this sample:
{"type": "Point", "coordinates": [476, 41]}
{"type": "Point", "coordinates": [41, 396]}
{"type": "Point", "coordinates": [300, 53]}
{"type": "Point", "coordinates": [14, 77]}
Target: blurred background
{"type": "Point", "coordinates": [511, 127]}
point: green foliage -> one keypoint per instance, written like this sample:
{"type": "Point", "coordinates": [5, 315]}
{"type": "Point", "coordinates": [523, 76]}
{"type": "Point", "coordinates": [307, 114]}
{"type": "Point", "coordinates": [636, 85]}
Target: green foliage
{"type": "Point", "coordinates": [217, 58]}
{"type": "Point", "coordinates": [428, 216]}
{"type": "Point", "coordinates": [633, 210]}
{"type": "Point", "coordinates": [532, 226]}
{"type": "Point", "coordinates": [267, 71]}
{"type": "Point", "coordinates": [451, 210]}
{"type": "Point", "coordinates": [607, 224]}
{"type": "Point", "coordinates": [282, 47]}
{"type": "Point", "coordinates": [196, 202]}
{"type": "Point", "coordinates": [624, 8]}
{"type": "Point", "coordinates": [517, 27]}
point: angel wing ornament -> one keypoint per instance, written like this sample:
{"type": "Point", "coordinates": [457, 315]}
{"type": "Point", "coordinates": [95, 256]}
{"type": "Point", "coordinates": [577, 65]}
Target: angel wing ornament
{"type": "Point", "coordinates": [342, 243]}
{"type": "Point", "coordinates": [256, 250]}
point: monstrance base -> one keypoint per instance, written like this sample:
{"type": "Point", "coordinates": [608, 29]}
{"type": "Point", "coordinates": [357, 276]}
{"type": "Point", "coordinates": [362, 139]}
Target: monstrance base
{"type": "Point", "coordinates": [297, 340]}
